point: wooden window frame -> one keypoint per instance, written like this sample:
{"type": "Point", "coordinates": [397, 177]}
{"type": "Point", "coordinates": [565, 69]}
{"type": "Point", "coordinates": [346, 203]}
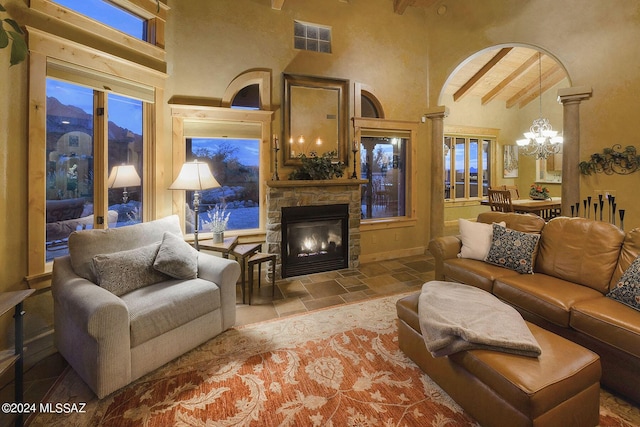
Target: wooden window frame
{"type": "Point", "coordinates": [43, 48]}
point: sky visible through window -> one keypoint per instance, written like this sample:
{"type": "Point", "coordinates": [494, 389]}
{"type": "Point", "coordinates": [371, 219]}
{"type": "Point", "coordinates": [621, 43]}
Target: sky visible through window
{"type": "Point", "coordinates": [108, 14]}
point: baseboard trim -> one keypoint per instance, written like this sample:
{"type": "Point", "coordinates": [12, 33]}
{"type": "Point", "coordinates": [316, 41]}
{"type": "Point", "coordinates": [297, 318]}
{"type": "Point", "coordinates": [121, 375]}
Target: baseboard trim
{"type": "Point", "coordinates": [400, 253]}
{"type": "Point", "coordinates": [38, 348]}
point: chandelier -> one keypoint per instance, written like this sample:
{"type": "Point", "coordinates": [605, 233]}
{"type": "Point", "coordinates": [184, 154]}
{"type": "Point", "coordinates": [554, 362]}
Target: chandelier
{"type": "Point", "coordinates": [541, 141]}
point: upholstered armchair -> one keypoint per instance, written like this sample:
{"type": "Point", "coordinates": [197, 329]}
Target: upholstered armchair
{"type": "Point", "coordinates": [128, 300]}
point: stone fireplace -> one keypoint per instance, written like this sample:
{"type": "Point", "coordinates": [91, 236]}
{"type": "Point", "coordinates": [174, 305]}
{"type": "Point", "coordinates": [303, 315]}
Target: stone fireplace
{"type": "Point", "coordinates": [322, 198]}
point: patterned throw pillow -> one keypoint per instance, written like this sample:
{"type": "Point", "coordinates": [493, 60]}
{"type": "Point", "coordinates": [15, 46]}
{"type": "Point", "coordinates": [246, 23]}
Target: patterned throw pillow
{"type": "Point", "coordinates": [176, 258]}
{"type": "Point", "coordinates": [125, 271]}
{"type": "Point", "coordinates": [513, 249]}
{"type": "Point", "coordinates": [627, 290]}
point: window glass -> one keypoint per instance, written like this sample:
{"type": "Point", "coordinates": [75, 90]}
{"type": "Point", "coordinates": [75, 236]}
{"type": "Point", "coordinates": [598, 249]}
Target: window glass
{"type": "Point", "coordinates": [234, 162]}
{"type": "Point", "coordinates": [470, 160]}
{"type": "Point", "coordinates": [486, 166]}
{"type": "Point", "coordinates": [460, 167]}
{"type": "Point", "coordinates": [448, 149]}
{"type": "Point", "coordinates": [70, 162]}
{"type": "Point", "coordinates": [109, 14]}
{"type": "Point", "coordinates": [125, 149]}
{"type": "Point", "coordinates": [383, 165]}
{"type": "Point", "coordinates": [69, 153]}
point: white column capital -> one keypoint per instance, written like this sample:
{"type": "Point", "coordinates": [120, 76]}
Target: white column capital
{"type": "Point", "coordinates": [574, 94]}
{"type": "Point", "coordinates": [438, 112]}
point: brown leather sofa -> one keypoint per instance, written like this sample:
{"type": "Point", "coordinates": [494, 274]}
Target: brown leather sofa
{"type": "Point", "coordinates": [577, 262]}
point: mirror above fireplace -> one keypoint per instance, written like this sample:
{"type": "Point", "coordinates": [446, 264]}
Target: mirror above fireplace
{"type": "Point", "coordinates": [315, 117]}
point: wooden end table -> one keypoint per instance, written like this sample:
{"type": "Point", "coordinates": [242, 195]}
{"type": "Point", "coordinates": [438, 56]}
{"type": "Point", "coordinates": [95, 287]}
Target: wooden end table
{"type": "Point", "coordinates": [228, 243]}
{"type": "Point", "coordinates": [242, 253]}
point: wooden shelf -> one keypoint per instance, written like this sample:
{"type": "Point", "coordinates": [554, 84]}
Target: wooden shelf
{"type": "Point", "coordinates": [15, 358]}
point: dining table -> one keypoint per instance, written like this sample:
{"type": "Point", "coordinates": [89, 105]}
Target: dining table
{"type": "Point", "coordinates": [544, 208]}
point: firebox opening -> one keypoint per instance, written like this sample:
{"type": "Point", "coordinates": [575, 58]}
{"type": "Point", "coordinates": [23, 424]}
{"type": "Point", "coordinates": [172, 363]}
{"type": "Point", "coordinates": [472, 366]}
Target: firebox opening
{"type": "Point", "coordinates": [314, 239]}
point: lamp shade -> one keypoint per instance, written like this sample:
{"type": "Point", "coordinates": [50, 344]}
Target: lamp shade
{"type": "Point", "coordinates": [123, 176]}
{"type": "Point", "coordinates": [194, 176]}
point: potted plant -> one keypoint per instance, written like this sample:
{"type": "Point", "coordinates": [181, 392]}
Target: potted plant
{"type": "Point", "coordinates": [14, 33]}
{"type": "Point", "coordinates": [218, 219]}
{"type": "Point", "coordinates": [318, 167]}
{"type": "Point", "coordinates": [538, 192]}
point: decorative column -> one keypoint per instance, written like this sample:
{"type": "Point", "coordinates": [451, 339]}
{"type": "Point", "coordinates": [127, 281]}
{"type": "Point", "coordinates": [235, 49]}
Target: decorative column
{"type": "Point", "coordinates": [437, 115]}
{"type": "Point", "coordinates": [570, 98]}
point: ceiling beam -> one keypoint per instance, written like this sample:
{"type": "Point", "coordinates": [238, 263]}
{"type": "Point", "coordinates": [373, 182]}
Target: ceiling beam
{"type": "Point", "coordinates": [504, 84]}
{"type": "Point", "coordinates": [549, 80]}
{"type": "Point", "coordinates": [465, 88]}
{"type": "Point", "coordinates": [277, 4]}
{"type": "Point", "coordinates": [532, 91]}
{"type": "Point", "coordinates": [399, 6]}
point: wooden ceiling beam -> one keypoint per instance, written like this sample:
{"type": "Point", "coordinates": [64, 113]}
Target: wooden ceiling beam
{"type": "Point", "coordinates": [399, 6]}
{"type": "Point", "coordinates": [549, 80]}
{"type": "Point", "coordinates": [465, 88]}
{"type": "Point", "coordinates": [532, 90]}
{"type": "Point", "coordinates": [277, 4]}
{"type": "Point", "coordinates": [504, 84]}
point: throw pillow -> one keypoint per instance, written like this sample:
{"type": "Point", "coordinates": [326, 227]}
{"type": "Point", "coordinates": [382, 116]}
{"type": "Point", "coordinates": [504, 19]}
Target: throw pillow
{"type": "Point", "coordinates": [513, 249]}
{"type": "Point", "coordinates": [124, 271]}
{"type": "Point", "coordinates": [476, 239]}
{"type": "Point", "coordinates": [176, 257]}
{"type": "Point", "coordinates": [627, 290]}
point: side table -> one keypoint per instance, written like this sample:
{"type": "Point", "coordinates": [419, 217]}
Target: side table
{"type": "Point", "coordinates": [10, 300]}
{"type": "Point", "coordinates": [242, 253]}
{"type": "Point", "coordinates": [228, 243]}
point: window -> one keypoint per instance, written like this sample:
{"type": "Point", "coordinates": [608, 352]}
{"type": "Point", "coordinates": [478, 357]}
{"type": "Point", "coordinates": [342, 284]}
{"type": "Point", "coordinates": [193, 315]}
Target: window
{"type": "Point", "coordinates": [70, 148]}
{"type": "Point", "coordinates": [84, 120]}
{"type": "Point", "coordinates": [235, 163]}
{"type": "Point", "coordinates": [109, 14]}
{"type": "Point", "coordinates": [385, 155]}
{"type": "Point", "coordinates": [312, 37]}
{"type": "Point", "coordinates": [467, 166]}
{"type": "Point", "coordinates": [235, 143]}
{"type": "Point", "coordinates": [383, 165]}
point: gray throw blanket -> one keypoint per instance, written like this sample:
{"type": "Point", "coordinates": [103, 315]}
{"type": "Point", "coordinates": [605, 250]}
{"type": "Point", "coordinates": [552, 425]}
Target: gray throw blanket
{"type": "Point", "coordinates": [456, 317]}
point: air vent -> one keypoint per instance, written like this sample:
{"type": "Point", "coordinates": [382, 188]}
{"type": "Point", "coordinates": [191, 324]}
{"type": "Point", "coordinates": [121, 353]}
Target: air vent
{"type": "Point", "coordinates": [313, 37]}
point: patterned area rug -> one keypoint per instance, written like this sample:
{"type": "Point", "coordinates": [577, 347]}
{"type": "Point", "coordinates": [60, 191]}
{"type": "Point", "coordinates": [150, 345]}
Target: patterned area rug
{"type": "Point", "coordinates": [335, 367]}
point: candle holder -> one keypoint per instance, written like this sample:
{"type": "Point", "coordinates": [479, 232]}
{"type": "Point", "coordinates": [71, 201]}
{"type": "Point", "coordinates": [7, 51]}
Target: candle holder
{"type": "Point", "coordinates": [621, 212]}
{"type": "Point", "coordinates": [276, 148]}
{"type": "Point", "coordinates": [354, 150]}
{"type": "Point", "coordinates": [577, 208]}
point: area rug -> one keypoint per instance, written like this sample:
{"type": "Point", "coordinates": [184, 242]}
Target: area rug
{"type": "Point", "coordinates": [333, 367]}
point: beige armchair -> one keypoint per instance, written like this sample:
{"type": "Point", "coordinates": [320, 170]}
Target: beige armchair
{"type": "Point", "coordinates": [116, 331]}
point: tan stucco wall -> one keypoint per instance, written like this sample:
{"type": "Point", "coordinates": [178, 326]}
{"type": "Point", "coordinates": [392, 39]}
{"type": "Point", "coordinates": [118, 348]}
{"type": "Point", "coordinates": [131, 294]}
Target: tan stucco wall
{"type": "Point", "coordinates": [594, 41]}
{"type": "Point", "coordinates": [406, 59]}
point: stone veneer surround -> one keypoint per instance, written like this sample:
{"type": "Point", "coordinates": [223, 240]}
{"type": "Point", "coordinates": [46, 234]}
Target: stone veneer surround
{"type": "Point", "coordinates": [313, 193]}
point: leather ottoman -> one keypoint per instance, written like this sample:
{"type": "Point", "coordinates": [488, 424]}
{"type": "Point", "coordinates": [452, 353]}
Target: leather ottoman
{"type": "Point", "coordinates": [559, 388]}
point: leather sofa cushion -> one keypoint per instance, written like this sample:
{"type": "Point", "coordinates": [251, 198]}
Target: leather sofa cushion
{"type": "Point", "coordinates": [526, 223]}
{"type": "Point", "coordinates": [535, 385]}
{"type": "Point", "coordinates": [610, 322]}
{"type": "Point", "coordinates": [579, 250]}
{"type": "Point", "coordinates": [159, 308]}
{"type": "Point", "coordinates": [629, 252]}
{"type": "Point", "coordinates": [476, 273]}
{"type": "Point", "coordinates": [548, 297]}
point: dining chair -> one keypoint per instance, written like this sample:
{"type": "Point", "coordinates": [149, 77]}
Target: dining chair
{"type": "Point", "coordinates": [515, 194]}
{"type": "Point", "coordinates": [500, 200]}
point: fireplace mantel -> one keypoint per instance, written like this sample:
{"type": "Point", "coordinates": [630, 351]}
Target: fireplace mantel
{"type": "Point", "coordinates": [290, 193]}
{"type": "Point", "coordinates": [315, 183]}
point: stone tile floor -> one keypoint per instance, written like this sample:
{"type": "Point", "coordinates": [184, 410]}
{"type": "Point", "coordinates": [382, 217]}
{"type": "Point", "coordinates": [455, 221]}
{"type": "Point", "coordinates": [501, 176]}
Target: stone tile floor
{"type": "Point", "coordinates": [305, 293]}
{"type": "Point", "coordinates": [292, 295]}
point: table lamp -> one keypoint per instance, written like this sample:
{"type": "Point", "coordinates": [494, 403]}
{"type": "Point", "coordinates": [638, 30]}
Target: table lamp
{"type": "Point", "coordinates": [123, 176]}
{"type": "Point", "coordinates": [195, 176]}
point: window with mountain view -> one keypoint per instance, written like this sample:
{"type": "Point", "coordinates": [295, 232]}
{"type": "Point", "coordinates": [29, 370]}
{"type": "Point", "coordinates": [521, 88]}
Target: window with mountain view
{"type": "Point", "coordinates": [467, 167]}
{"type": "Point", "coordinates": [71, 170]}
{"type": "Point", "coordinates": [234, 163]}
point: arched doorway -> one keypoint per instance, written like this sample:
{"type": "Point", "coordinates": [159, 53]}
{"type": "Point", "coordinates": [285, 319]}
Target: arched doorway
{"type": "Point", "coordinates": [502, 88]}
